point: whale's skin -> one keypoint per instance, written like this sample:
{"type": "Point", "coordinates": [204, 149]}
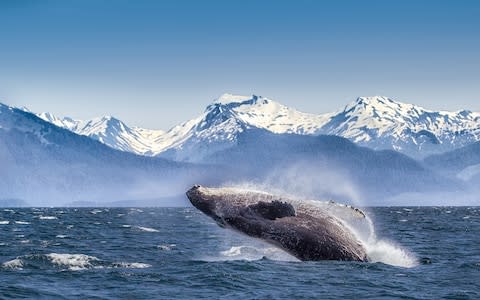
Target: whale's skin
{"type": "Point", "coordinates": [306, 231]}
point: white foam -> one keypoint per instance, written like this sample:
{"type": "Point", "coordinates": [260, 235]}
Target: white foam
{"type": "Point", "coordinates": [47, 217]}
{"type": "Point", "coordinates": [13, 264]}
{"type": "Point", "coordinates": [72, 261]}
{"type": "Point", "coordinates": [166, 247]}
{"type": "Point", "coordinates": [147, 229]}
{"type": "Point", "coordinates": [250, 253]}
{"type": "Point", "coordinates": [4, 222]}
{"type": "Point", "coordinates": [60, 236]}
{"type": "Point", "coordinates": [134, 265]}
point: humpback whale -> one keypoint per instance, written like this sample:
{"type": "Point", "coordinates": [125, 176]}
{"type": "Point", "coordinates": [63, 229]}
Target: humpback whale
{"type": "Point", "coordinates": [301, 228]}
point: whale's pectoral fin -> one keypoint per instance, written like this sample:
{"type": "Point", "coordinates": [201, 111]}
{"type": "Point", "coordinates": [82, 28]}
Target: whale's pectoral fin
{"type": "Point", "coordinates": [272, 210]}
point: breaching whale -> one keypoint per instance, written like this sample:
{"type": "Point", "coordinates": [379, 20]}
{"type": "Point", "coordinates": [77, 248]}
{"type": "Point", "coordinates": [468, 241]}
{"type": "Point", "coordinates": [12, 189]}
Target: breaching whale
{"type": "Point", "coordinates": [303, 229]}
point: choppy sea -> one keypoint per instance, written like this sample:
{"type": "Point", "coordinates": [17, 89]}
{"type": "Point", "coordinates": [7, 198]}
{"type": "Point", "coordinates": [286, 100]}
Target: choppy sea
{"type": "Point", "coordinates": [178, 253]}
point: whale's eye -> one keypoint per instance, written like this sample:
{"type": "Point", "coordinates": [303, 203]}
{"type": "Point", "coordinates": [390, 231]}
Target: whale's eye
{"type": "Point", "coordinates": [273, 210]}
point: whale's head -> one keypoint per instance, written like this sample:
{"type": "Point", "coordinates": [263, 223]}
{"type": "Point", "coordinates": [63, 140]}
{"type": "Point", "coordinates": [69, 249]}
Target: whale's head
{"type": "Point", "coordinates": [202, 200]}
{"type": "Point", "coordinates": [225, 205]}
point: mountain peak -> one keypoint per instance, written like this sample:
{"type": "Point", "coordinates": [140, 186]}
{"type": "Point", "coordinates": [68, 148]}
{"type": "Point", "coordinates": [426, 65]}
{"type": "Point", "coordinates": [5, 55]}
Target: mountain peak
{"type": "Point", "coordinates": [380, 104]}
{"type": "Point", "coordinates": [231, 98]}
{"type": "Point", "coordinates": [374, 100]}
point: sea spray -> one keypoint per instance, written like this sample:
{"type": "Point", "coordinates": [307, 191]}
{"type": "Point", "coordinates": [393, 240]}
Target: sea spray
{"type": "Point", "coordinates": [381, 250]}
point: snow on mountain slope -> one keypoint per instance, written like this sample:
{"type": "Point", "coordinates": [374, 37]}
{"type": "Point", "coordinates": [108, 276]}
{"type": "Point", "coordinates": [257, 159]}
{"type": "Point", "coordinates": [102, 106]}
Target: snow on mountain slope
{"type": "Point", "coordinates": [267, 114]}
{"type": "Point", "coordinates": [46, 165]}
{"type": "Point", "coordinates": [229, 115]}
{"type": "Point", "coordinates": [110, 131]}
{"type": "Point", "coordinates": [215, 129]}
{"type": "Point", "coordinates": [382, 123]}
{"type": "Point", "coordinates": [376, 122]}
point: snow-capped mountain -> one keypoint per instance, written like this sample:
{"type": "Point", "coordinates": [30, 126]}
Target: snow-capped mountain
{"type": "Point", "coordinates": [218, 127]}
{"type": "Point", "coordinates": [376, 122]}
{"type": "Point", "coordinates": [45, 165]}
{"type": "Point", "coordinates": [382, 123]}
{"type": "Point", "coordinates": [215, 129]}
{"type": "Point", "coordinates": [110, 131]}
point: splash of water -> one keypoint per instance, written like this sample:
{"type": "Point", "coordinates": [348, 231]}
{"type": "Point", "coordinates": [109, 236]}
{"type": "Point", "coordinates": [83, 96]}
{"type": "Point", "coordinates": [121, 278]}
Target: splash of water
{"type": "Point", "coordinates": [381, 250]}
{"type": "Point", "coordinates": [250, 253]}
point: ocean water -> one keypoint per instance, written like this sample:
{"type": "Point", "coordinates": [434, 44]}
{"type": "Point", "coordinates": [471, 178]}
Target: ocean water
{"type": "Point", "coordinates": [178, 253]}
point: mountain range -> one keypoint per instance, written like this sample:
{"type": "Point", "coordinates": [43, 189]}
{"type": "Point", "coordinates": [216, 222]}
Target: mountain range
{"type": "Point", "coordinates": [43, 165]}
{"type": "Point", "coordinates": [375, 122]}
{"type": "Point", "coordinates": [352, 155]}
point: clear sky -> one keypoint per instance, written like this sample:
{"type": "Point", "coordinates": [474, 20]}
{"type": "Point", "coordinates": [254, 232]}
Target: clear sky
{"type": "Point", "coordinates": [157, 63]}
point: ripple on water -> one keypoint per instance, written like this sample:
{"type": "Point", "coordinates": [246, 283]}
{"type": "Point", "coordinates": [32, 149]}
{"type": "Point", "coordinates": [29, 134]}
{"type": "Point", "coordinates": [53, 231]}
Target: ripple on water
{"type": "Point", "coordinates": [22, 222]}
{"type": "Point", "coordinates": [41, 217]}
{"type": "Point", "coordinates": [146, 229]}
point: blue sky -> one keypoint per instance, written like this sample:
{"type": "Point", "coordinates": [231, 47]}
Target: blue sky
{"type": "Point", "coordinates": [157, 63]}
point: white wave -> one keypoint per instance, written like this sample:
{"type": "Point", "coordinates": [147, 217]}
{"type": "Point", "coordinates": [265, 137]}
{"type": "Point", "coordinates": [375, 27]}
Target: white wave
{"type": "Point", "coordinates": [60, 236]}
{"type": "Point", "coordinates": [9, 210]}
{"type": "Point", "coordinates": [250, 253]}
{"type": "Point", "coordinates": [72, 261]}
{"type": "Point", "coordinates": [126, 226]}
{"type": "Point", "coordinates": [16, 263]}
{"type": "Point", "coordinates": [22, 222]}
{"type": "Point", "coordinates": [4, 222]}
{"type": "Point", "coordinates": [134, 265]}
{"type": "Point", "coordinates": [47, 217]}
{"type": "Point", "coordinates": [96, 211]}
{"type": "Point", "coordinates": [166, 247]}
{"type": "Point", "coordinates": [147, 229]}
